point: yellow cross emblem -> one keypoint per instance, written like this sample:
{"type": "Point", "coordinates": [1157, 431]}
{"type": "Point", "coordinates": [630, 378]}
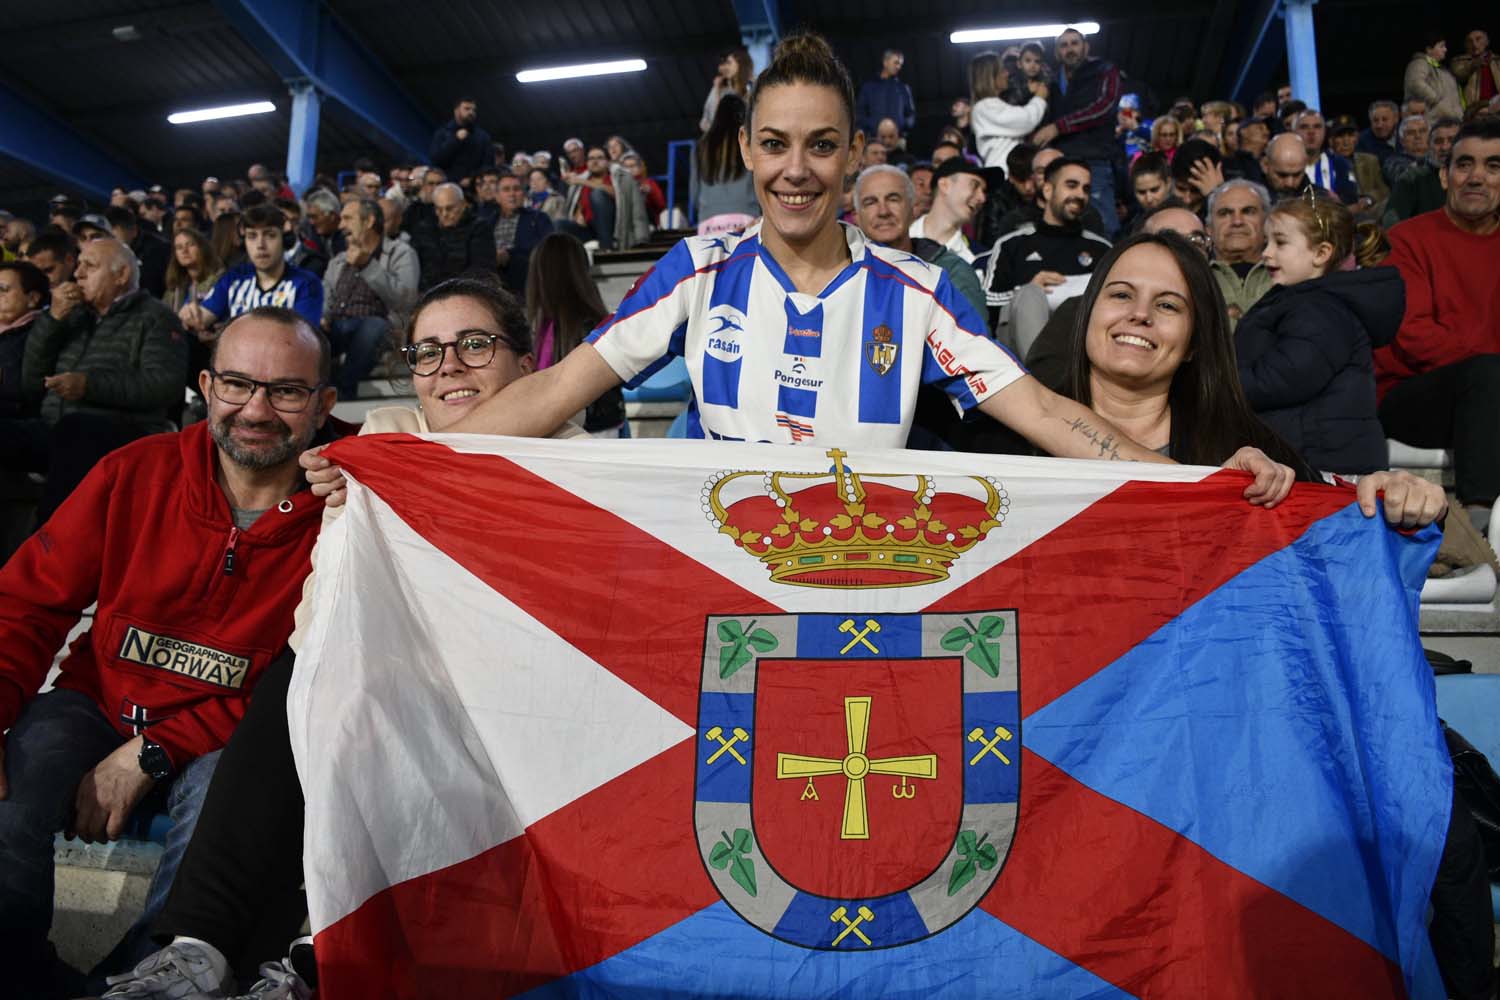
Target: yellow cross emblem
{"type": "Point", "coordinates": [855, 766]}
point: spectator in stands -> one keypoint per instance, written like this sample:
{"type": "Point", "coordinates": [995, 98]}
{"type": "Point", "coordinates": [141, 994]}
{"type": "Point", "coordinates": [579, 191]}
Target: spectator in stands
{"type": "Point", "coordinates": [144, 537]}
{"type": "Point", "coordinates": [886, 96]}
{"type": "Point", "coordinates": [487, 193]}
{"type": "Point", "coordinates": [1151, 181]}
{"type": "Point", "coordinates": [656, 201]}
{"type": "Point", "coordinates": [188, 217]}
{"type": "Point", "coordinates": [1429, 81]}
{"type": "Point", "coordinates": [1033, 210]}
{"type": "Point", "coordinates": [228, 239]}
{"type": "Point", "coordinates": [64, 212]}
{"type": "Point", "coordinates": [55, 255]}
{"type": "Point", "coordinates": [1001, 117]}
{"type": "Point", "coordinates": [518, 229]}
{"type": "Point", "coordinates": [1477, 69]}
{"type": "Point", "coordinates": [1082, 119]}
{"type": "Point", "coordinates": [1439, 381]}
{"type": "Point", "coordinates": [23, 293]}
{"type": "Point", "coordinates": [366, 292]}
{"type": "Point", "coordinates": [615, 147]}
{"type": "Point", "coordinates": [193, 271]}
{"type": "Point", "coordinates": [1027, 263]}
{"type": "Point", "coordinates": [541, 196]}
{"type": "Point", "coordinates": [1380, 138]}
{"type": "Point", "coordinates": [1166, 136]}
{"type": "Point", "coordinates": [367, 184]}
{"type": "Point", "coordinates": [735, 75]}
{"type": "Point", "coordinates": [153, 214]}
{"type": "Point", "coordinates": [1050, 358]}
{"type": "Point", "coordinates": [460, 147]}
{"type": "Point", "coordinates": [595, 215]}
{"type": "Point", "coordinates": [921, 179]}
{"type": "Point", "coordinates": [106, 360]}
{"type": "Point", "coordinates": [1325, 168]}
{"type": "Point", "coordinates": [1254, 134]}
{"type": "Point", "coordinates": [723, 189]}
{"type": "Point", "coordinates": [1304, 350]}
{"type": "Point", "coordinates": [563, 307]}
{"type": "Point", "coordinates": [1004, 193]}
{"type": "Point", "coordinates": [454, 242]}
{"type": "Point", "coordinates": [469, 340]}
{"type": "Point", "coordinates": [883, 199]}
{"type": "Point", "coordinates": [18, 234]}
{"type": "Point", "coordinates": [1420, 189]}
{"type": "Point", "coordinates": [265, 279]}
{"type": "Point", "coordinates": [92, 226]}
{"type": "Point", "coordinates": [874, 153]}
{"type": "Point", "coordinates": [893, 144]}
{"type": "Point", "coordinates": [945, 149]}
{"type": "Point", "coordinates": [1197, 169]}
{"type": "Point", "coordinates": [1414, 135]}
{"type": "Point", "coordinates": [1237, 212]}
{"type": "Point", "coordinates": [1285, 166]}
{"type": "Point", "coordinates": [1265, 105]}
{"type": "Point", "coordinates": [1343, 139]}
{"type": "Point", "coordinates": [321, 236]}
{"type": "Point", "coordinates": [391, 211]}
{"type": "Point", "coordinates": [958, 194]}
{"type": "Point", "coordinates": [150, 250]}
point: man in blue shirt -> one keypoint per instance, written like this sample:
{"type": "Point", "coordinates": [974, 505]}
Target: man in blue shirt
{"type": "Point", "coordinates": [266, 280]}
{"type": "Point", "coordinates": [886, 97]}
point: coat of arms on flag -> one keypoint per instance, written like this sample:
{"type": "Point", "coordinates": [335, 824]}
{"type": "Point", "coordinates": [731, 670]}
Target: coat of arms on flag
{"type": "Point", "coordinates": [858, 779]}
{"type": "Point", "coordinates": [560, 737]}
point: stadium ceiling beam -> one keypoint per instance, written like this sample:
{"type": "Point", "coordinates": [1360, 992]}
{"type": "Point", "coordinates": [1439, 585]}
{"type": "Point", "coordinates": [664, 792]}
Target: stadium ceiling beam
{"type": "Point", "coordinates": [1263, 48]}
{"type": "Point", "coordinates": [100, 32]}
{"type": "Point", "coordinates": [760, 28]}
{"type": "Point", "coordinates": [304, 42]}
{"type": "Point", "coordinates": [49, 146]}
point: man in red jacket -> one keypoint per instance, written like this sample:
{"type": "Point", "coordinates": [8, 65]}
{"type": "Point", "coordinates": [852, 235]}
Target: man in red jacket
{"type": "Point", "coordinates": [193, 546]}
{"type": "Point", "coordinates": [1439, 380]}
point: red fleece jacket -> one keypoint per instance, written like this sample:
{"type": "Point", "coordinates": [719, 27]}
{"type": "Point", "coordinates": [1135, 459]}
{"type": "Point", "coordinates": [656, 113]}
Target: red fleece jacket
{"type": "Point", "coordinates": [1452, 298]}
{"type": "Point", "coordinates": [190, 609]}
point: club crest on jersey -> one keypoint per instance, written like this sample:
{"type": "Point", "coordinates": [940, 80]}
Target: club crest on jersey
{"type": "Point", "coordinates": [857, 774]}
{"type": "Point", "coordinates": [844, 529]}
{"type": "Point", "coordinates": [881, 350]}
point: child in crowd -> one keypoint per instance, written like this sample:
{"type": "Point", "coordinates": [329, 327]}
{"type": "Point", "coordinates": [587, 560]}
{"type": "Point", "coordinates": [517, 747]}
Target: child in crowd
{"type": "Point", "coordinates": [1305, 349]}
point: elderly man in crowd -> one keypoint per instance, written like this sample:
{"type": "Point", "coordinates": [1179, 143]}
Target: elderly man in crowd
{"type": "Point", "coordinates": [1285, 167]}
{"type": "Point", "coordinates": [518, 229]}
{"type": "Point", "coordinates": [1379, 140]}
{"type": "Point", "coordinates": [454, 240]}
{"type": "Point", "coordinates": [1420, 188]}
{"type": "Point", "coordinates": [107, 362]}
{"type": "Point", "coordinates": [1413, 133]}
{"type": "Point", "coordinates": [1237, 213]}
{"type": "Point", "coordinates": [183, 627]}
{"type": "Point", "coordinates": [883, 206]}
{"type": "Point", "coordinates": [367, 290]}
{"type": "Point", "coordinates": [1439, 380]}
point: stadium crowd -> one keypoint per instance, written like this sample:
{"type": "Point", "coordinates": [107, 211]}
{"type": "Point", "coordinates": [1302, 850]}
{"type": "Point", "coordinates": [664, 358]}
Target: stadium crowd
{"type": "Point", "coordinates": [1271, 288]}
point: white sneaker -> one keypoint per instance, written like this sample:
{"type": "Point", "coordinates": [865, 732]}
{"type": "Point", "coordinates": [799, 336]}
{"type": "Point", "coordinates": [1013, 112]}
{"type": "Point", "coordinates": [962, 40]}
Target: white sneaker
{"type": "Point", "coordinates": [280, 980]}
{"type": "Point", "coordinates": [176, 972]}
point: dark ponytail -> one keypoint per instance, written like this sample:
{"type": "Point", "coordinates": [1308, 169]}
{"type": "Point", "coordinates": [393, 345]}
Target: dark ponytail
{"type": "Point", "coordinates": [805, 58]}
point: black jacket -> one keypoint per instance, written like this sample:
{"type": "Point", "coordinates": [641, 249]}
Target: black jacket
{"type": "Point", "coordinates": [1305, 362]}
{"type": "Point", "coordinates": [447, 252]}
{"type": "Point", "coordinates": [13, 400]}
{"type": "Point", "coordinates": [1085, 114]}
{"type": "Point", "coordinates": [1037, 247]}
{"type": "Point", "coordinates": [154, 254]}
{"type": "Point", "coordinates": [461, 158]}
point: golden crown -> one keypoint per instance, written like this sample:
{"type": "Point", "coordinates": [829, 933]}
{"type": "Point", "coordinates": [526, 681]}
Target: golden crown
{"type": "Point", "coordinates": [850, 530]}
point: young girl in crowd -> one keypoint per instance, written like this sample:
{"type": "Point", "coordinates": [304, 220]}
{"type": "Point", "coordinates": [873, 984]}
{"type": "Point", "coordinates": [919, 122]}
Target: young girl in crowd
{"type": "Point", "coordinates": [1305, 348]}
{"type": "Point", "coordinates": [1001, 117]}
{"type": "Point", "coordinates": [562, 306]}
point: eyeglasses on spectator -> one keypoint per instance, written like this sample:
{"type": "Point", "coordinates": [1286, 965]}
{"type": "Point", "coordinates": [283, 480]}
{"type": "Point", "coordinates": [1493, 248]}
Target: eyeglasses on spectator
{"type": "Point", "coordinates": [238, 390]}
{"type": "Point", "coordinates": [475, 350]}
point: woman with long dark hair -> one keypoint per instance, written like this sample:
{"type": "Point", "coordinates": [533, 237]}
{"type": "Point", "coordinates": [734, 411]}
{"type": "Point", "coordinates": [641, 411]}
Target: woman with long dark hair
{"type": "Point", "coordinates": [563, 306]}
{"type": "Point", "coordinates": [723, 189]}
{"type": "Point", "coordinates": [735, 76]}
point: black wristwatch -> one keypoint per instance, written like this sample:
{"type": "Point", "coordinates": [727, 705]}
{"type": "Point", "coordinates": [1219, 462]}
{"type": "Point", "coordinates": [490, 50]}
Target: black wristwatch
{"type": "Point", "coordinates": [154, 760]}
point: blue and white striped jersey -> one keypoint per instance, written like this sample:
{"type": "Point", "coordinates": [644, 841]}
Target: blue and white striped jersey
{"type": "Point", "coordinates": [238, 291]}
{"type": "Point", "coordinates": [769, 363]}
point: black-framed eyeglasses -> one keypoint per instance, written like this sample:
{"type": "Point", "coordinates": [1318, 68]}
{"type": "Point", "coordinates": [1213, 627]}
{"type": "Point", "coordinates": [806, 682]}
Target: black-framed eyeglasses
{"type": "Point", "coordinates": [238, 390]}
{"type": "Point", "coordinates": [475, 350]}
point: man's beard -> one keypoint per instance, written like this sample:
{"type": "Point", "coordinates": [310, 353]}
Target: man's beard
{"type": "Point", "coordinates": [269, 455]}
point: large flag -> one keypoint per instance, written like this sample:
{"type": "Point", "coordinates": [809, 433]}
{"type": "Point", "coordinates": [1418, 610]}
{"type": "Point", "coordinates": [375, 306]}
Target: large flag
{"type": "Point", "coordinates": [716, 720]}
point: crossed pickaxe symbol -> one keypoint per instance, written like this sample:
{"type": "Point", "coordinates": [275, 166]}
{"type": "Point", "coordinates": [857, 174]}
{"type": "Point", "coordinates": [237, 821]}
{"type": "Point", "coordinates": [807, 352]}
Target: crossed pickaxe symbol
{"type": "Point", "coordinates": [726, 746]}
{"type": "Point", "coordinates": [851, 926]}
{"type": "Point", "coordinates": [871, 625]}
{"type": "Point", "coordinates": [976, 735]}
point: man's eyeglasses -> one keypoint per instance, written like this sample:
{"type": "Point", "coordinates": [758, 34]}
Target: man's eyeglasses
{"type": "Point", "coordinates": [475, 350]}
{"type": "Point", "coordinates": [237, 390]}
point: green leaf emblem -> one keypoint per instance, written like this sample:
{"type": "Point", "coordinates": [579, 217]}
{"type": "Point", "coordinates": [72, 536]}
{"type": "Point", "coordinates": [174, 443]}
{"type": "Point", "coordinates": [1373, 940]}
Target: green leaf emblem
{"type": "Point", "coordinates": [740, 645]}
{"type": "Point", "coordinates": [982, 651]}
{"type": "Point", "coordinates": [974, 856]}
{"type": "Point", "coordinates": [733, 854]}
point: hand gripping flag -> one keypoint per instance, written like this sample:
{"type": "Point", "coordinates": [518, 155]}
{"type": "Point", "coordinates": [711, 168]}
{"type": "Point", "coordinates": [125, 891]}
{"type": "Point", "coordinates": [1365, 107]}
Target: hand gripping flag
{"type": "Point", "coordinates": [713, 720]}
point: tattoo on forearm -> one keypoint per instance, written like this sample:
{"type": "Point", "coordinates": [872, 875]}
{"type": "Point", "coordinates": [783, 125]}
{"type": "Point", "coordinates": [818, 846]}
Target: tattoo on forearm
{"type": "Point", "coordinates": [1107, 444]}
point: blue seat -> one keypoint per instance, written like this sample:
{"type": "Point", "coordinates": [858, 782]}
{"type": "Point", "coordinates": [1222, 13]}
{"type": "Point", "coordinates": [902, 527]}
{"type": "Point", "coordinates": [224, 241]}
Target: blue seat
{"type": "Point", "coordinates": [1470, 703]}
{"type": "Point", "coordinates": [679, 426]}
{"type": "Point", "coordinates": [670, 384]}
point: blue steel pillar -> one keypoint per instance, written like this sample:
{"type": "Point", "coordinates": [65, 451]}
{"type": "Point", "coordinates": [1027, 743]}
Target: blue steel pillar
{"type": "Point", "coordinates": [1301, 51]}
{"type": "Point", "coordinates": [302, 141]}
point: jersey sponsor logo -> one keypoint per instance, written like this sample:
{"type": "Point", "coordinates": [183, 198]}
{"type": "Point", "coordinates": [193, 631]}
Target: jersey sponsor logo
{"type": "Point", "coordinates": [200, 663]}
{"type": "Point", "coordinates": [800, 430]}
{"type": "Point", "coordinates": [727, 321]}
{"type": "Point", "coordinates": [723, 346]}
{"type": "Point", "coordinates": [726, 324]}
{"type": "Point", "coordinates": [945, 358]}
{"type": "Point", "coordinates": [881, 350]}
{"type": "Point", "coordinates": [794, 379]}
{"type": "Point", "coordinates": [792, 331]}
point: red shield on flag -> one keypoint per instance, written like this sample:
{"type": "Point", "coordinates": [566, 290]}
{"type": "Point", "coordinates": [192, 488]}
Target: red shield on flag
{"type": "Point", "coordinates": [857, 787]}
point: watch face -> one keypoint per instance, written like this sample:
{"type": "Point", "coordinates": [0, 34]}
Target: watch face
{"type": "Point", "coordinates": [154, 761]}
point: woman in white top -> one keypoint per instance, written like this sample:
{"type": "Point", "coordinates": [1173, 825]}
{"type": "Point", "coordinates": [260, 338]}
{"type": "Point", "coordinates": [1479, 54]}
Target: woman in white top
{"type": "Point", "coordinates": [998, 124]}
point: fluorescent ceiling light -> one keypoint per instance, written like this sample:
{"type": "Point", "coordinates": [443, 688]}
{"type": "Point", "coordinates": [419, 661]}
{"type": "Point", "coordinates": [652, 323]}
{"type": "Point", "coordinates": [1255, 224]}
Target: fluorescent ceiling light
{"type": "Point", "coordinates": [582, 69]}
{"type": "Point", "coordinates": [1023, 31]}
{"type": "Point", "coordinates": [227, 111]}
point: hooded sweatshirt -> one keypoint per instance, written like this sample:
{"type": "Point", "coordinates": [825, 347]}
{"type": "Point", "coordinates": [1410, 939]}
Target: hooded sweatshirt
{"type": "Point", "coordinates": [1305, 360]}
{"type": "Point", "coordinates": [190, 608]}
